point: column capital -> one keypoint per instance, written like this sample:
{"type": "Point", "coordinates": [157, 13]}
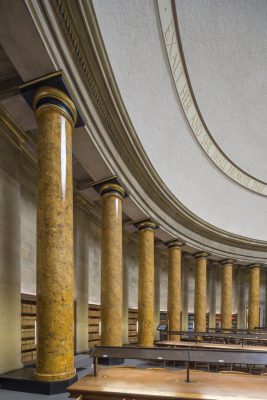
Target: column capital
{"type": "Point", "coordinates": [255, 265]}
{"type": "Point", "coordinates": [49, 96]}
{"type": "Point", "coordinates": [174, 243]}
{"type": "Point", "coordinates": [200, 255]}
{"type": "Point", "coordinates": [146, 224]}
{"type": "Point", "coordinates": [52, 90]}
{"type": "Point", "coordinates": [110, 186]}
{"type": "Point", "coordinates": [226, 261]}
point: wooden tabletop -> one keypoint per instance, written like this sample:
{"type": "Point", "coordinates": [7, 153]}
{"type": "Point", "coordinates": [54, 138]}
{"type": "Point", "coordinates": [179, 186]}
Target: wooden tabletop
{"type": "Point", "coordinates": [203, 345]}
{"type": "Point", "coordinates": [157, 383]}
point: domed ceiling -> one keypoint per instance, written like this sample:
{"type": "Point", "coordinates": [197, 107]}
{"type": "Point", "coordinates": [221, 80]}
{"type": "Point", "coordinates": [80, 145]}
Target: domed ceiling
{"type": "Point", "coordinates": [225, 49]}
{"type": "Point", "coordinates": [224, 45]}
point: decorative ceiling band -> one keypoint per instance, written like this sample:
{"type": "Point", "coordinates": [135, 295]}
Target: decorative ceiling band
{"type": "Point", "coordinates": [173, 46]}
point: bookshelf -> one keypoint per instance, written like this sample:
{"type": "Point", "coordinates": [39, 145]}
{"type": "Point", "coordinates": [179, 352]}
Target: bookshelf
{"type": "Point", "coordinates": [132, 325]}
{"type": "Point", "coordinates": [28, 324]}
{"type": "Point", "coordinates": [94, 325]}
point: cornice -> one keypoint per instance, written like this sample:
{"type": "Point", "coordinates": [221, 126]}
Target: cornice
{"type": "Point", "coordinates": [11, 130]}
{"type": "Point", "coordinates": [17, 137]}
{"type": "Point", "coordinates": [80, 201]}
{"type": "Point", "coordinates": [87, 65]}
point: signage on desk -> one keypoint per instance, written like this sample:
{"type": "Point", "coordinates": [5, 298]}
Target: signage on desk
{"type": "Point", "coordinates": [162, 327]}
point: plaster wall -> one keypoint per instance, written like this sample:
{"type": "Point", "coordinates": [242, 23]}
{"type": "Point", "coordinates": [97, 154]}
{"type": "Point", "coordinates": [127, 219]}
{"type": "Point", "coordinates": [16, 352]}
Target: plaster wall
{"type": "Point", "coordinates": [94, 261]}
{"type": "Point", "coordinates": [28, 230]}
{"type": "Point", "coordinates": [164, 280]}
{"type": "Point", "coordinates": [10, 278]}
{"type": "Point", "coordinates": [132, 261]}
{"type": "Point", "coordinates": [81, 262]}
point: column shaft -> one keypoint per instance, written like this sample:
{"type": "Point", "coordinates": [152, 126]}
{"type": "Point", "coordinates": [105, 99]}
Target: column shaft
{"type": "Point", "coordinates": [174, 288]}
{"type": "Point", "coordinates": [254, 298]}
{"type": "Point", "coordinates": [111, 265]}
{"type": "Point", "coordinates": [146, 285]}
{"type": "Point", "coordinates": [226, 295]}
{"type": "Point", "coordinates": [55, 282]}
{"type": "Point", "coordinates": [200, 293]}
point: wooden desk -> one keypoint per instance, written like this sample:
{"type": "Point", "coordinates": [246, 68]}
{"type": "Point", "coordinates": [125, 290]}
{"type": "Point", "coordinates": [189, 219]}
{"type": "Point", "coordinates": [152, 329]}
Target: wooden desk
{"type": "Point", "coordinates": [132, 383]}
{"type": "Point", "coordinates": [203, 345]}
{"type": "Point", "coordinates": [223, 336]}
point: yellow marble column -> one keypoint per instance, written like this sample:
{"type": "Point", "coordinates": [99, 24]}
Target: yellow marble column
{"type": "Point", "coordinates": [111, 265]}
{"type": "Point", "coordinates": [146, 283]}
{"type": "Point", "coordinates": [174, 287]}
{"type": "Point", "coordinates": [200, 292]}
{"type": "Point", "coordinates": [226, 294]}
{"type": "Point", "coordinates": [254, 297]}
{"type": "Point", "coordinates": [55, 115]}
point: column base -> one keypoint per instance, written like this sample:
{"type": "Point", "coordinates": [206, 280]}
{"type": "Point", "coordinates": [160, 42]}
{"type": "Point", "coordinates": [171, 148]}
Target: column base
{"type": "Point", "coordinates": [54, 377]}
{"type": "Point", "coordinates": [23, 380]}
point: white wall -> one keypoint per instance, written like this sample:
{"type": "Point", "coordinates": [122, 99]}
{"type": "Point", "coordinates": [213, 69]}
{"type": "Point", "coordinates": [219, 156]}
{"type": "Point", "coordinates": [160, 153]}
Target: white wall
{"type": "Point", "coordinates": [10, 278]}
{"type": "Point", "coordinates": [81, 276]}
{"type": "Point", "coordinates": [28, 230]}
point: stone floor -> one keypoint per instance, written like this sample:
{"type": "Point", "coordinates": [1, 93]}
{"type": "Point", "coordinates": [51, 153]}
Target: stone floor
{"type": "Point", "coordinates": [83, 365]}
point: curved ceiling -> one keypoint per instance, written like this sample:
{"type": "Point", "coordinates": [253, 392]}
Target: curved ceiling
{"type": "Point", "coordinates": [225, 50]}
{"type": "Point", "coordinates": [133, 40]}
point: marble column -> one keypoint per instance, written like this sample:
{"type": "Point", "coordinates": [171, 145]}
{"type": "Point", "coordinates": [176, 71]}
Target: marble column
{"type": "Point", "coordinates": [200, 292]}
{"type": "Point", "coordinates": [174, 287]}
{"type": "Point", "coordinates": [254, 297]}
{"type": "Point", "coordinates": [55, 115]}
{"type": "Point", "coordinates": [226, 293]}
{"type": "Point", "coordinates": [111, 265]}
{"type": "Point", "coordinates": [212, 296]}
{"type": "Point", "coordinates": [146, 283]}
